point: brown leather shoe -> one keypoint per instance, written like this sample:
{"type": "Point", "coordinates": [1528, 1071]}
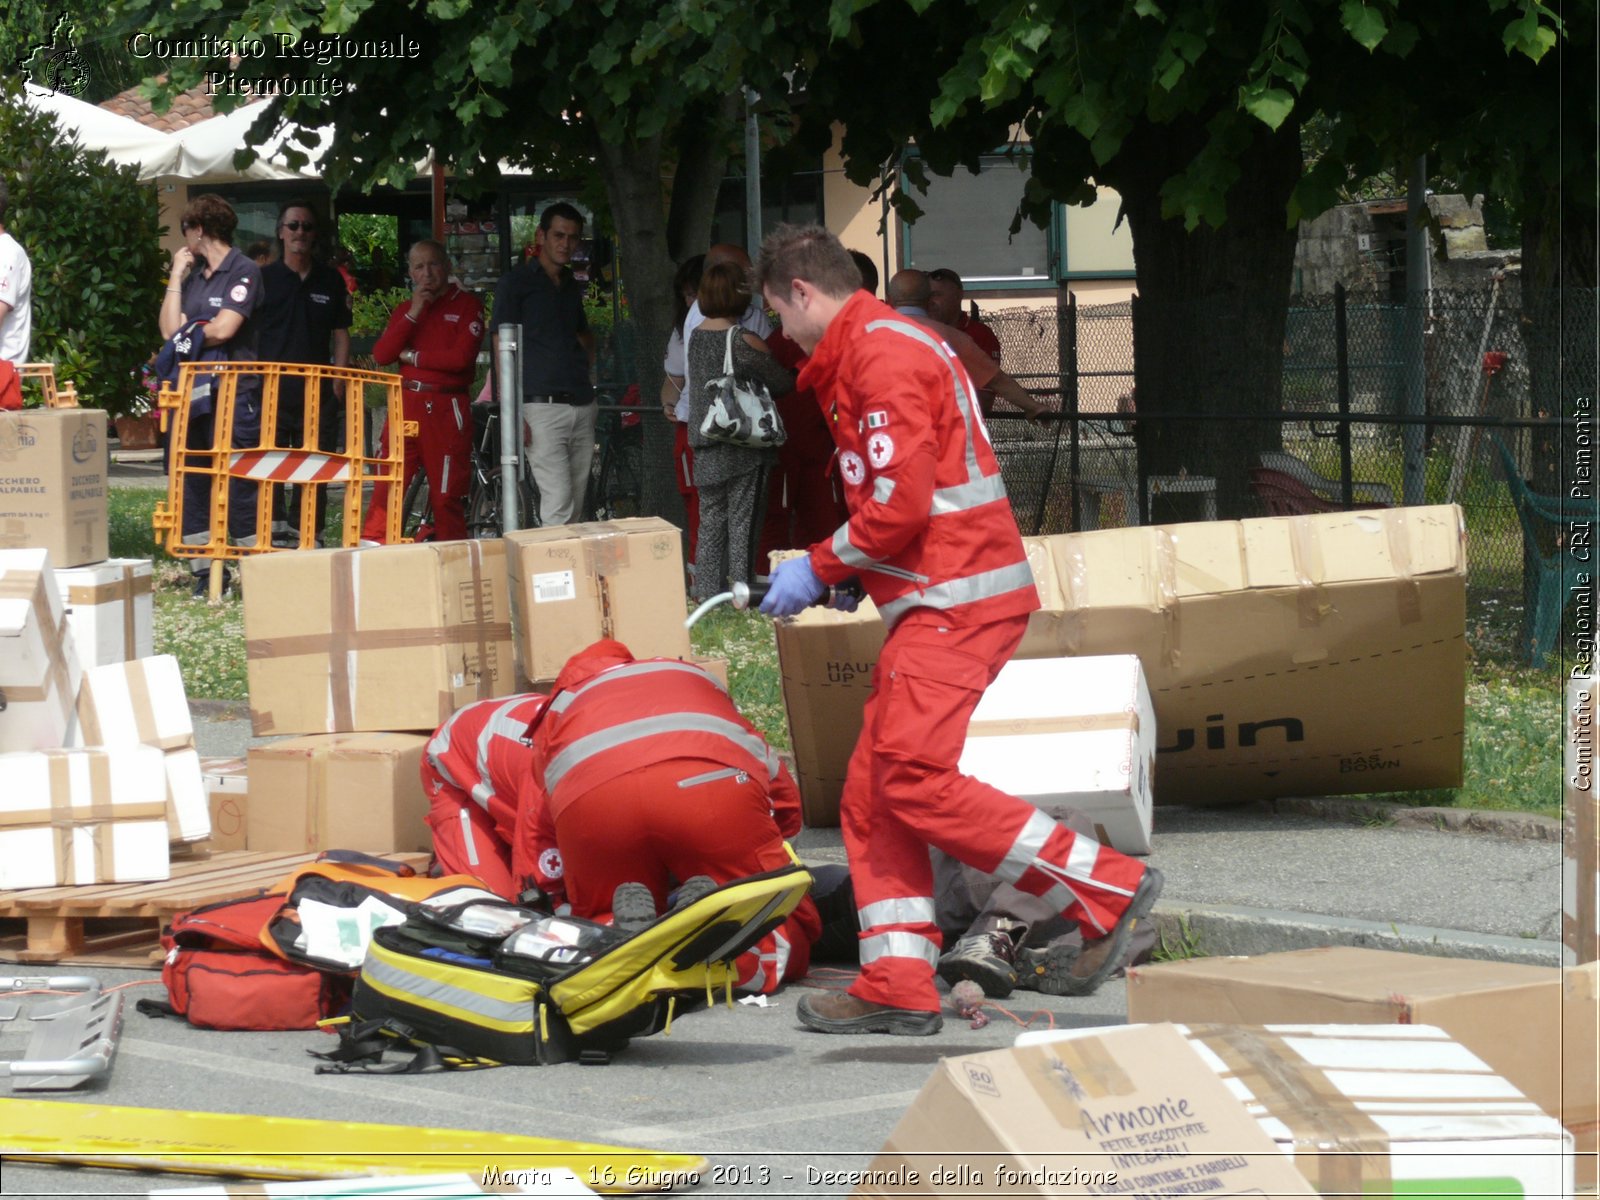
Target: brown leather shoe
{"type": "Point", "coordinates": [1098, 959]}
{"type": "Point", "coordinates": [840, 1012]}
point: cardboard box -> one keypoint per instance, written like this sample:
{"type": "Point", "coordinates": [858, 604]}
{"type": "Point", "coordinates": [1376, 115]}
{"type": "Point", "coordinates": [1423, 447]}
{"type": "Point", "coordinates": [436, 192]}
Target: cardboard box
{"type": "Point", "coordinates": [227, 786]}
{"type": "Point", "coordinates": [1384, 1110]}
{"type": "Point", "coordinates": [53, 472]}
{"type": "Point", "coordinates": [1580, 842]}
{"type": "Point", "coordinates": [337, 792]}
{"type": "Point", "coordinates": [143, 703]}
{"type": "Point", "coordinates": [109, 609]}
{"type": "Point", "coordinates": [1506, 1013]}
{"type": "Point", "coordinates": [1580, 1068]}
{"type": "Point", "coordinates": [572, 585]}
{"type": "Point", "coordinates": [1058, 1119]}
{"type": "Point", "coordinates": [83, 816]}
{"type": "Point", "coordinates": [386, 637]}
{"type": "Point", "coordinates": [1286, 656]}
{"type": "Point", "coordinates": [1071, 732]}
{"type": "Point", "coordinates": [39, 669]}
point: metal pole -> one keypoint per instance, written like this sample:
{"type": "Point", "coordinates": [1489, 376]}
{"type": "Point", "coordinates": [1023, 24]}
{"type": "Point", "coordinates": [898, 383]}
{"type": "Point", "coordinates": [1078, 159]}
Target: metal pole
{"type": "Point", "coordinates": [510, 373]}
{"type": "Point", "coordinates": [752, 173]}
{"type": "Point", "coordinates": [1341, 354]}
{"type": "Point", "coordinates": [1413, 466]}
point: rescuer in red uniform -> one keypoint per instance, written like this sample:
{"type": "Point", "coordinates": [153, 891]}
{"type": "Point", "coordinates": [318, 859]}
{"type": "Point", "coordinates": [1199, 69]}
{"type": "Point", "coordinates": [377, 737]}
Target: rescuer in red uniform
{"type": "Point", "coordinates": [933, 541]}
{"type": "Point", "coordinates": [474, 772]}
{"type": "Point", "coordinates": [645, 773]}
{"type": "Point", "coordinates": [435, 338]}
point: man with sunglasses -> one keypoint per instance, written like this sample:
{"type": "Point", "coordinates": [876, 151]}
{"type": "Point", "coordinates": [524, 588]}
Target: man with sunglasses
{"type": "Point", "coordinates": [304, 317]}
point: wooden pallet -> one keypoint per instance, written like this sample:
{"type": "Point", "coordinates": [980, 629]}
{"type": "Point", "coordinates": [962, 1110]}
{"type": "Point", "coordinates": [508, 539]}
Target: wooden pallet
{"type": "Point", "coordinates": [119, 924]}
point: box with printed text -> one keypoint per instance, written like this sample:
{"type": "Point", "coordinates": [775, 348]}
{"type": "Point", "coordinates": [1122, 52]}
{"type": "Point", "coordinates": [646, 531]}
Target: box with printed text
{"type": "Point", "coordinates": [53, 475]}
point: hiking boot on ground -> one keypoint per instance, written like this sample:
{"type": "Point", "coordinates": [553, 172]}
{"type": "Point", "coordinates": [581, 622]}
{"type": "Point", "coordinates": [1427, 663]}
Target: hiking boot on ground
{"type": "Point", "coordinates": [696, 887]}
{"type": "Point", "coordinates": [840, 1012]}
{"type": "Point", "coordinates": [1097, 960]}
{"type": "Point", "coordinates": [1046, 969]}
{"type": "Point", "coordinates": [632, 907]}
{"type": "Point", "coordinates": [988, 959]}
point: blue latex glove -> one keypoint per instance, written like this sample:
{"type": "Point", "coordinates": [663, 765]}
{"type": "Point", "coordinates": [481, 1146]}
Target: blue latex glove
{"type": "Point", "coordinates": [794, 587]}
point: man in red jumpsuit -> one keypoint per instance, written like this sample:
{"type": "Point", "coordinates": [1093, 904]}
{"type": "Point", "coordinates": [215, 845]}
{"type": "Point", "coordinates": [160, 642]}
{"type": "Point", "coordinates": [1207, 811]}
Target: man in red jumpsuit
{"type": "Point", "coordinates": [475, 771]}
{"type": "Point", "coordinates": [933, 541]}
{"type": "Point", "coordinates": [645, 772]}
{"type": "Point", "coordinates": [435, 338]}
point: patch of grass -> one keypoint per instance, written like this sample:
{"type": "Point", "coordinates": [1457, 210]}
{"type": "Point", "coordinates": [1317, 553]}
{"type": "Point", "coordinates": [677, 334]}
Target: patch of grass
{"type": "Point", "coordinates": [129, 512]}
{"type": "Point", "coordinates": [747, 641]}
{"type": "Point", "coordinates": [207, 639]}
{"type": "Point", "coordinates": [1178, 944]}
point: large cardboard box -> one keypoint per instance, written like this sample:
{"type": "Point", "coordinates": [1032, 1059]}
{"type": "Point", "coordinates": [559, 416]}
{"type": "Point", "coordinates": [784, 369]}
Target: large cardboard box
{"type": "Point", "coordinates": [572, 585]}
{"type": "Point", "coordinates": [386, 637]}
{"type": "Point", "coordinates": [1506, 1013]}
{"type": "Point", "coordinates": [1071, 732]}
{"type": "Point", "coordinates": [1384, 1110]}
{"type": "Point", "coordinates": [1286, 656]}
{"type": "Point", "coordinates": [826, 658]}
{"type": "Point", "coordinates": [109, 609]}
{"type": "Point", "coordinates": [39, 669]}
{"type": "Point", "coordinates": [227, 786]}
{"type": "Point", "coordinates": [83, 816]}
{"type": "Point", "coordinates": [53, 471]}
{"type": "Point", "coordinates": [338, 792]}
{"type": "Point", "coordinates": [1121, 1111]}
{"type": "Point", "coordinates": [1580, 1067]}
{"type": "Point", "coordinates": [1580, 842]}
{"type": "Point", "coordinates": [142, 702]}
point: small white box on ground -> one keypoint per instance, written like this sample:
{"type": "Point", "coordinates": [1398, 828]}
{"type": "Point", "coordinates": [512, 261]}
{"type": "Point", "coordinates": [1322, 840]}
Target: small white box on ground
{"type": "Point", "coordinates": [1071, 733]}
{"type": "Point", "coordinates": [109, 609]}
{"type": "Point", "coordinates": [227, 787]}
{"type": "Point", "coordinates": [83, 816]}
{"type": "Point", "coordinates": [39, 669]}
{"type": "Point", "coordinates": [143, 703]}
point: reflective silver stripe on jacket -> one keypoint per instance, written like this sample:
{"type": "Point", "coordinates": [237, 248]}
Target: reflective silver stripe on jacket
{"type": "Point", "coordinates": [846, 553]}
{"type": "Point", "coordinates": [629, 671]}
{"type": "Point", "coordinates": [388, 975]}
{"type": "Point", "coordinates": [500, 724]}
{"type": "Point", "coordinates": [955, 592]}
{"type": "Point", "coordinates": [958, 377]}
{"type": "Point", "coordinates": [609, 739]}
{"type": "Point", "coordinates": [882, 489]}
{"type": "Point", "coordinates": [898, 944]}
{"type": "Point", "coordinates": [1025, 853]}
{"type": "Point", "coordinates": [975, 493]}
{"type": "Point", "coordinates": [902, 910]}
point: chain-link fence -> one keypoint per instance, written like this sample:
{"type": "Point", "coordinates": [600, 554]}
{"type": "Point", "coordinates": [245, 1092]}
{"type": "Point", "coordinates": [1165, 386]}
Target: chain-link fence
{"type": "Point", "coordinates": [1383, 404]}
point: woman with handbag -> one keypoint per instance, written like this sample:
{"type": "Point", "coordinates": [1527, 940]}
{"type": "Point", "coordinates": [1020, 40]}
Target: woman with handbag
{"type": "Point", "coordinates": [729, 465]}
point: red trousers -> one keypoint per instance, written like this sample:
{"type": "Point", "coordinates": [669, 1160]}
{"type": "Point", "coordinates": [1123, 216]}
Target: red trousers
{"type": "Point", "coordinates": [903, 793]}
{"type": "Point", "coordinates": [443, 448]}
{"type": "Point", "coordinates": [466, 839]}
{"type": "Point", "coordinates": [665, 822]}
{"type": "Point", "coordinates": [683, 472]}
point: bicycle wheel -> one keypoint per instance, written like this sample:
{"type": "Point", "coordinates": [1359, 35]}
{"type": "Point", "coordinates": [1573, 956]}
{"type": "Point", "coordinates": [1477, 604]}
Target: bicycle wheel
{"type": "Point", "coordinates": [617, 489]}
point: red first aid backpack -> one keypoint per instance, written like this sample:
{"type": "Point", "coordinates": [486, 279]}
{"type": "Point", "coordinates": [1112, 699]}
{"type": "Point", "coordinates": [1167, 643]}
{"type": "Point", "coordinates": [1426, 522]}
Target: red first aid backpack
{"type": "Point", "coordinates": [238, 964]}
{"type": "Point", "coordinates": [219, 976]}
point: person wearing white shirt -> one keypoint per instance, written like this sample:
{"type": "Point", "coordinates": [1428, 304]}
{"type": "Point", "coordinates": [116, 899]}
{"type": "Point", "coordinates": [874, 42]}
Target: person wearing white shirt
{"type": "Point", "coordinates": [16, 292]}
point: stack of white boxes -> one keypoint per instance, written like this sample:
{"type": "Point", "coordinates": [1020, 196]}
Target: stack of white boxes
{"type": "Point", "coordinates": [96, 746]}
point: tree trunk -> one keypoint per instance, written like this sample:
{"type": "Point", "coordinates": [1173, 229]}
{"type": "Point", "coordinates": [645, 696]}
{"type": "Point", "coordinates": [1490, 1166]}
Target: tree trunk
{"type": "Point", "coordinates": [1211, 310]}
{"type": "Point", "coordinates": [633, 173]}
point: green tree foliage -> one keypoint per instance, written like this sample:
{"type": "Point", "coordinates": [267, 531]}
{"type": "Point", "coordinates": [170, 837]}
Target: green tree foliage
{"type": "Point", "coordinates": [644, 95]}
{"type": "Point", "coordinates": [1193, 112]}
{"type": "Point", "coordinates": [92, 233]}
{"type": "Point", "coordinates": [66, 47]}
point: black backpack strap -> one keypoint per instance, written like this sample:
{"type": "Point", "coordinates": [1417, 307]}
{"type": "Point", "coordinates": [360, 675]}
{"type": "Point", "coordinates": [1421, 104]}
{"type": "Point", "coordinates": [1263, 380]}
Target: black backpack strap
{"type": "Point", "coordinates": [363, 1045]}
{"type": "Point", "coordinates": [155, 1008]}
{"type": "Point", "coordinates": [356, 858]}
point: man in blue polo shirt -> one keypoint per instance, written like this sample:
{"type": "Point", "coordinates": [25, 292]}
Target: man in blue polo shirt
{"type": "Point", "coordinates": [558, 410]}
{"type": "Point", "coordinates": [211, 281]}
{"type": "Point", "coordinates": [304, 317]}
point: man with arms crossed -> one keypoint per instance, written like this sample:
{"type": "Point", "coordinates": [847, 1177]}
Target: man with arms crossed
{"type": "Point", "coordinates": [558, 412]}
{"type": "Point", "coordinates": [932, 538]}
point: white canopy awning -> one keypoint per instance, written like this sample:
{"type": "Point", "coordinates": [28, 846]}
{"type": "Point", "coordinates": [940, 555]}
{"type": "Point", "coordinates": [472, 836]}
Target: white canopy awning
{"type": "Point", "coordinates": [126, 142]}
